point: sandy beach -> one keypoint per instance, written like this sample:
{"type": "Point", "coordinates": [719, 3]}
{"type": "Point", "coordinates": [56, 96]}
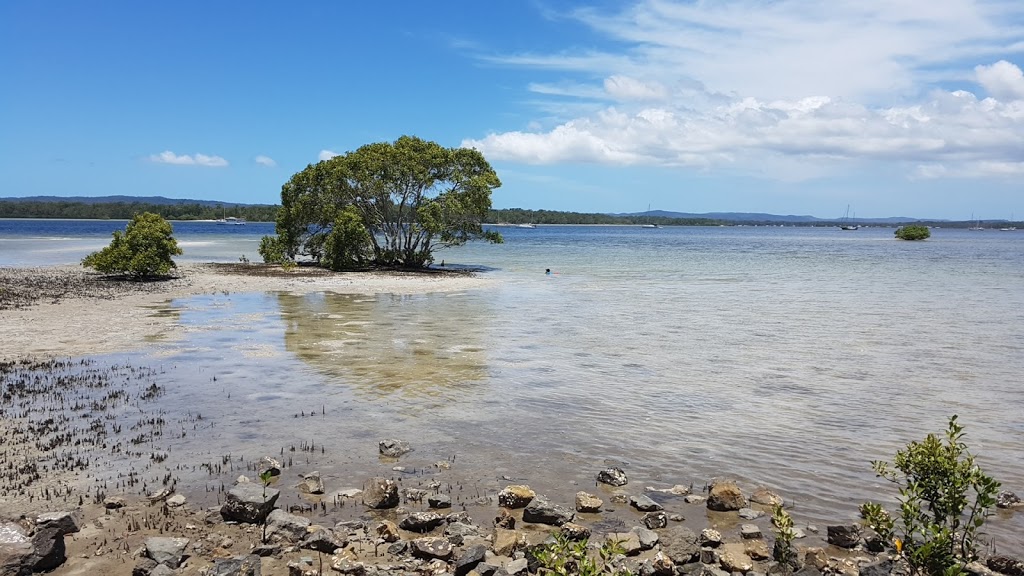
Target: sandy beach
{"type": "Point", "coordinates": [68, 311]}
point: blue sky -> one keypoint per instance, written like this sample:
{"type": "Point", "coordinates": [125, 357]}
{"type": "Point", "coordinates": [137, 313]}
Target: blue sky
{"type": "Point", "coordinates": [911, 108]}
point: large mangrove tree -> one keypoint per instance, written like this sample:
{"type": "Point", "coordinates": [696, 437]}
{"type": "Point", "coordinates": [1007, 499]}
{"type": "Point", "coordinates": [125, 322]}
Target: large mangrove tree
{"type": "Point", "coordinates": [388, 204]}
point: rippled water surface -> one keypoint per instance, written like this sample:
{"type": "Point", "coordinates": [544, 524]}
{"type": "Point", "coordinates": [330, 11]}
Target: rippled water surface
{"type": "Point", "coordinates": [786, 357]}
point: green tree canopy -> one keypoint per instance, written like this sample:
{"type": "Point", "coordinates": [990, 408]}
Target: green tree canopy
{"type": "Point", "coordinates": [410, 196]}
{"type": "Point", "coordinates": [913, 232]}
{"type": "Point", "coordinates": [143, 250]}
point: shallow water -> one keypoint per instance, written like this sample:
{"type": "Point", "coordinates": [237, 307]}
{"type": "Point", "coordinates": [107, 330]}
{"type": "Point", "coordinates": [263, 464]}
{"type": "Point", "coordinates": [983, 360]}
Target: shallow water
{"type": "Point", "coordinates": [789, 358]}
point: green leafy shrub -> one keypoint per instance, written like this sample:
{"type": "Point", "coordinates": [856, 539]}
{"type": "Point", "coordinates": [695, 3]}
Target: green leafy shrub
{"type": "Point", "coordinates": [784, 552]}
{"type": "Point", "coordinates": [944, 498]}
{"type": "Point", "coordinates": [348, 244]}
{"type": "Point", "coordinates": [913, 232]}
{"type": "Point", "coordinates": [143, 250]}
{"type": "Point", "coordinates": [565, 557]}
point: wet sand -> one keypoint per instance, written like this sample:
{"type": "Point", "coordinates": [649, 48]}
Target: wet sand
{"type": "Point", "coordinates": [67, 311]}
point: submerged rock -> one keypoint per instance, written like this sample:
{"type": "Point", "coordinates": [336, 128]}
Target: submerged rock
{"type": "Point", "coordinates": [844, 535]}
{"type": "Point", "coordinates": [613, 477]}
{"type": "Point", "coordinates": [766, 497]}
{"type": "Point", "coordinates": [1007, 499]}
{"type": "Point", "coordinates": [655, 520]}
{"type": "Point", "coordinates": [644, 504]}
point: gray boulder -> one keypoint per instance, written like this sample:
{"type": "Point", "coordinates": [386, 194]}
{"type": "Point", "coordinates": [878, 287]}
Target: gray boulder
{"type": "Point", "coordinates": [380, 493]}
{"type": "Point", "coordinates": [285, 527]}
{"type": "Point", "coordinates": [469, 559]}
{"type": "Point", "coordinates": [439, 501]}
{"type": "Point", "coordinates": [311, 484]}
{"type": "Point", "coordinates": [844, 535]}
{"type": "Point", "coordinates": [165, 550]}
{"type": "Point", "coordinates": [237, 566]}
{"type": "Point", "coordinates": [393, 448]}
{"type": "Point", "coordinates": [648, 538]}
{"type": "Point", "coordinates": [430, 548]}
{"type": "Point", "coordinates": [680, 543]}
{"type": "Point", "coordinates": [421, 522]}
{"type": "Point", "coordinates": [644, 504]}
{"type": "Point", "coordinates": [613, 477]}
{"type": "Point", "coordinates": [249, 503]}
{"type": "Point", "coordinates": [322, 540]}
{"type": "Point", "coordinates": [541, 511]}
{"type": "Point", "coordinates": [655, 520]}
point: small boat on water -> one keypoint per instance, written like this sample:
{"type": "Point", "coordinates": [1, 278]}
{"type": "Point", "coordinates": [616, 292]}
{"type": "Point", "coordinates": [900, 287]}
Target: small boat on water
{"type": "Point", "coordinates": [650, 226]}
{"type": "Point", "coordinates": [526, 225]}
{"type": "Point", "coordinates": [231, 221]}
{"type": "Point", "coordinates": [846, 223]}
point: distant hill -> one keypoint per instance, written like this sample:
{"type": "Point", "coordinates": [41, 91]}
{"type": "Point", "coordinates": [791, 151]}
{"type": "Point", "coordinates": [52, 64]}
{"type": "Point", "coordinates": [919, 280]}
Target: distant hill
{"type": "Point", "coordinates": [156, 200]}
{"type": "Point", "coordinates": [761, 217]}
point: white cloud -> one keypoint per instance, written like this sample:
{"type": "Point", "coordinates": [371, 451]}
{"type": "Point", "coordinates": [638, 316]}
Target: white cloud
{"type": "Point", "coordinates": [766, 86]}
{"type": "Point", "coordinates": [265, 161]}
{"type": "Point", "coordinates": [626, 88]}
{"type": "Point", "coordinates": [168, 157]}
{"type": "Point", "coordinates": [327, 155]}
{"type": "Point", "coordinates": [1002, 80]}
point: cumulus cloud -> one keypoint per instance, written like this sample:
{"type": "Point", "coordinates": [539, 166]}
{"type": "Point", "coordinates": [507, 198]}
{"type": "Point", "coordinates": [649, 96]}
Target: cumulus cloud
{"type": "Point", "coordinates": [265, 161]}
{"type": "Point", "coordinates": [168, 157]}
{"type": "Point", "coordinates": [327, 155]}
{"type": "Point", "coordinates": [1002, 80]}
{"type": "Point", "coordinates": [750, 84]}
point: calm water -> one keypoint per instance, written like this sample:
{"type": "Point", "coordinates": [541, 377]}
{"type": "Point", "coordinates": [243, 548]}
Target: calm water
{"type": "Point", "coordinates": [786, 357]}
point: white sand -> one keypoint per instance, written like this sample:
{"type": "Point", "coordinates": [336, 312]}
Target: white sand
{"type": "Point", "coordinates": [80, 325]}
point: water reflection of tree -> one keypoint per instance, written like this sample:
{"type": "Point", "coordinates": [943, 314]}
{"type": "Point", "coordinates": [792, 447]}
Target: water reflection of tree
{"type": "Point", "coordinates": [415, 346]}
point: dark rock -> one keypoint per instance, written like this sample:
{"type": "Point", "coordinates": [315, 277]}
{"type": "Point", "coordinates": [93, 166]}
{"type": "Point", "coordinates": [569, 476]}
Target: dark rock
{"type": "Point", "coordinates": [398, 548]}
{"type": "Point", "coordinates": [1006, 565]}
{"type": "Point", "coordinates": [167, 551]}
{"type": "Point", "coordinates": [516, 496]}
{"type": "Point", "coordinates": [48, 545]}
{"type": "Point", "coordinates": [1006, 499]}
{"type": "Point", "coordinates": [161, 570]}
{"type": "Point", "coordinates": [430, 548]}
{"type": "Point", "coordinates": [114, 502]}
{"type": "Point", "coordinates": [680, 543]}
{"type": "Point", "coordinates": [393, 448]}
{"type": "Point", "coordinates": [380, 493]}
{"type": "Point", "coordinates": [285, 527]}
{"type": "Point", "coordinates": [142, 567]}
{"type": "Point", "coordinates": [421, 521]}
{"type": "Point", "coordinates": [541, 511]}
{"type": "Point", "coordinates": [238, 566]}
{"type": "Point", "coordinates": [750, 514]}
{"type": "Point", "coordinates": [322, 540]}
{"type": "Point", "coordinates": [267, 550]}
{"type": "Point", "coordinates": [873, 541]}
{"type": "Point", "coordinates": [655, 520]}
{"type": "Point", "coordinates": [469, 558]}
{"type": "Point", "coordinates": [725, 497]}
{"type": "Point", "coordinates": [880, 568]}
{"type": "Point", "coordinates": [247, 503]}
{"type": "Point", "coordinates": [439, 501]}
{"type": "Point", "coordinates": [65, 522]}
{"type": "Point", "coordinates": [844, 535]}
{"type": "Point", "coordinates": [613, 477]}
{"type": "Point", "coordinates": [644, 504]}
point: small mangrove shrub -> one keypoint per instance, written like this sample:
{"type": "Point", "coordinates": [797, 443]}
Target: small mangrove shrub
{"type": "Point", "coordinates": [944, 498]}
{"type": "Point", "coordinates": [913, 232]}
{"type": "Point", "coordinates": [565, 557]}
{"type": "Point", "coordinates": [143, 250]}
{"type": "Point", "coordinates": [784, 552]}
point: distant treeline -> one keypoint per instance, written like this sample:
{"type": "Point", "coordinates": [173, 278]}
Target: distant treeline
{"type": "Point", "coordinates": [521, 216]}
{"type": "Point", "coordinates": [125, 210]}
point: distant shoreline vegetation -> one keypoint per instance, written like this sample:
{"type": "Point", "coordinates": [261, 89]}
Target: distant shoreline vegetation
{"type": "Point", "coordinates": [16, 208]}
